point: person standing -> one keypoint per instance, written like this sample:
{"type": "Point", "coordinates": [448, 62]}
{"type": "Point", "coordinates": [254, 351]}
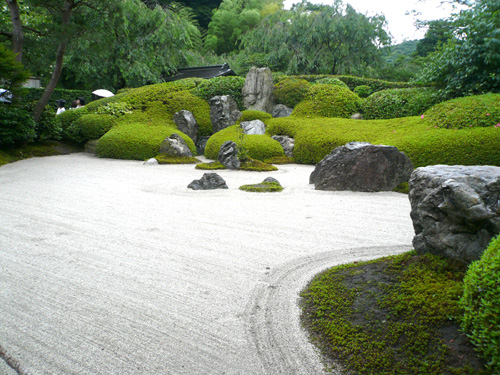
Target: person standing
{"type": "Point", "coordinates": [60, 106]}
{"type": "Point", "coordinates": [80, 102]}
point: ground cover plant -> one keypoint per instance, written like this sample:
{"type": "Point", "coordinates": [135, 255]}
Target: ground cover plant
{"type": "Point", "coordinates": [31, 150]}
{"type": "Point", "coordinates": [211, 166]}
{"type": "Point", "coordinates": [395, 315]}
{"type": "Point", "coordinates": [263, 187]}
{"type": "Point", "coordinates": [167, 159]}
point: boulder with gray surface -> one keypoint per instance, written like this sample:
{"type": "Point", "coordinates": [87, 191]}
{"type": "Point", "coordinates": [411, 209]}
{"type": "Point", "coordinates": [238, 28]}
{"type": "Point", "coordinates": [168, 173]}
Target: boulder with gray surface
{"type": "Point", "coordinates": [455, 209]}
{"type": "Point", "coordinates": [228, 155]}
{"type": "Point", "coordinates": [175, 146]}
{"type": "Point", "coordinates": [253, 127]}
{"type": "Point", "coordinates": [360, 166]}
{"type": "Point", "coordinates": [186, 123]}
{"type": "Point", "coordinates": [209, 181]}
{"type": "Point", "coordinates": [258, 90]}
{"type": "Point", "coordinates": [286, 142]}
{"type": "Point", "coordinates": [223, 112]}
{"type": "Point", "coordinates": [200, 145]}
{"type": "Point", "coordinates": [281, 110]}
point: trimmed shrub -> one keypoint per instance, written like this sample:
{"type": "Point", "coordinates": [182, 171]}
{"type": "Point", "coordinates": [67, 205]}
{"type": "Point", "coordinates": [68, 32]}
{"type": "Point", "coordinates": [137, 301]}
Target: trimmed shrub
{"type": "Point", "coordinates": [352, 82]}
{"type": "Point", "coordinates": [363, 91]}
{"type": "Point", "coordinates": [221, 86]}
{"type": "Point", "coordinates": [68, 117]}
{"type": "Point", "coordinates": [16, 125]}
{"type": "Point", "coordinates": [328, 101]}
{"type": "Point", "coordinates": [96, 105]}
{"type": "Point", "coordinates": [396, 103]}
{"type": "Point", "coordinates": [30, 95]}
{"type": "Point", "coordinates": [481, 304]}
{"type": "Point", "coordinates": [471, 111]}
{"type": "Point", "coordinates": [259, 147]}
{"type": "Point", "coordinates": [330, 81]}
{"type": "Point", "coordinates": [250, 115]}
{"type": "Point", "coordinates": [91, 126]}
{"type": "Point", "coordinates": [290, 91]}
{"type": "Point", "coordinates": [49, 125]}
{"type": "Point", "coordinates": [115, 109]}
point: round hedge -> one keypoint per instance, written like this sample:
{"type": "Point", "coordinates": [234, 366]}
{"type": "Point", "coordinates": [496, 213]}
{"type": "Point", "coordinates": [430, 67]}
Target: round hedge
{"type": "Point", "coordinates": [290, 91]}
{"type": "Point", "coordinates": [250, 115]}
{"type": "Point", "coordinates": [259, 147]}
{"type": "Point", "coordinates": [89, 127]}
{"type": "Point", "coordinates": [330, 81]}
{"type": "Point", "coordinates": [468, 112]}
{"type": "Point", "coordinates": [481, 304]}
{"type": "Point", "coordinates": [363, 91]}
{"type": "Point", "coordinates": [231, 86]}
{"type": "Point", "coordinates": [395, 103]}
{"type": "Point", "coordinates": [328, 101]}
{"type": "Point", "coordinates": [68, 117]}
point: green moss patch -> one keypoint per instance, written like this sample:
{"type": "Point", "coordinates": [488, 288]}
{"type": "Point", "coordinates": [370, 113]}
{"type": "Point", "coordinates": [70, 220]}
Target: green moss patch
{"type": "Point", "coordinates": [290, 91]}
{"type": "Point", "coordinates": [279, 160]}
{"type": "Point", "coordinates": [396, 315]}
{"type": "Point", "coordinates": [39, 149]}
{"type": "Point", "coordinates": [256, 166]}
{"type": "Point", "coordinates": [250, 115]}
{"type": "Point", "coordinates": [264, 187]}
{"type": "Point", "coordinates": [214, 165]}
{"type": "Point", "coordinates": [402, 188]}
{"type": "Point", "coordinates": [165, 159]}
{"type": "Point", "coordinates": [89, 127]}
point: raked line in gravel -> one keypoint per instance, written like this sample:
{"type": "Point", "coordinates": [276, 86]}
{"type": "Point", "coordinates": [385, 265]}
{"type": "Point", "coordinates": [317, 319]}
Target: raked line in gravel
{"type": "Point", "coordinates": [113, 267]}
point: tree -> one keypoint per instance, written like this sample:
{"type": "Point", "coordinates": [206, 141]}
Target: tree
{"type": "Point", "coordinates": [12, 72]}
{"type": "Point", "coordinates": [326, 40]}
{"type": "Point", "coordinates": [438, 33]}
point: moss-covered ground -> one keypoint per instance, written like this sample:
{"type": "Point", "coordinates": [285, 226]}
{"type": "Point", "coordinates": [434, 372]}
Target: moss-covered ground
{"type": "Point", "coordinates": [395, 315]}
{"type": "Point", "coordinates": [165, 159]}
{"type": "Point", "coordinates": [263, 187]}
{"type": "Point", "coordinates": [38, 149]}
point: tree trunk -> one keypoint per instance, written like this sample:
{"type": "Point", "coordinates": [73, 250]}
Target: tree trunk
{"type": "Point", "coordinates": [56, 74]}
{"type": "Point", "coordinates": [17, 29]}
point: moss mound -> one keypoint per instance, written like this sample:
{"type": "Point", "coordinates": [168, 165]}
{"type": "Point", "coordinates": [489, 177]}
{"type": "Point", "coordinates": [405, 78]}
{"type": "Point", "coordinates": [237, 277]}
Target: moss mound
{"type": "Point", "coordinates": [395, 315]}
{"type": "Point", "coordinates": [481, 304]}
{"type": "Point", "coordinates": [328, 101]}
{"type": "Point", "coordinates": [330, 81]}
{"type": "Point", "coordinates": [256, 166]}
{"type": "Point", "coordinates": [263, 187]}
{"type": "Point", "coordinates": [231, 86]}
{"type": "Point", "coordinates": [250, 115]}
{"type": "Point", "coordinates": [363, 91]}
{"type": "Point", "coordinates": [468, 112]}
{"type": "Point", "coordinates": [396, 103]}
{"type": "Point", "coordinates": [259, 147]}
{"type": "Point", "coordinates": [214, 165]}
{"type": "Point", "coordinates": [68, 117]}
{"type": "Point", "coordinates": [165, 159]}
{"type": "Point", "coordinates": [290, 91]}
{"type": "Point", "coordinates": [89, 127]}
{"type": "Point", "coordinates": [279, 160]}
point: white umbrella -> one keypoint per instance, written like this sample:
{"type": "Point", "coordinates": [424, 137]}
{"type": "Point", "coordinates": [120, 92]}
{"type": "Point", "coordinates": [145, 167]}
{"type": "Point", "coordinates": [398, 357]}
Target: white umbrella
{"type": "Point", "coordinates": [103, 93]}
{"type": "Point", "coordinates": [5, 96]}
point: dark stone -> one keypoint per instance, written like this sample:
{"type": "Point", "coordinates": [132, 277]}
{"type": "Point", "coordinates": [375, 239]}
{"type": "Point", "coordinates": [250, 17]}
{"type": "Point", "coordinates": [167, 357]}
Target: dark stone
{"type": "Point", "coordinates": [175, 146]}
{"type": "Point", "coordinates": [271, 180]}
{"type": "Point", "coordinates": [90, 146]}
{"type": "Point", "coordinates": [258, 90]}
{"type": "Point", "coordinates": [228, 155]}
{"type": "Point", "coordinates": [281, 110]}
{"type": "Point", "coordinates": [359, 166]}
{"type": "Point", "coordinates": [200, 145]}
{"type": "Point", "coordinates": [186, 123]}
{"type": "Point", "coordinates": [253, 127]}
{"type": "Point", "coordinates": [286, 142]}
{"type": "Point", "coordinates": [223, 112]}
{"type": "Point", "coordinates": [209, 181]}
{"type": "Point", "coordinates": [455, 209]}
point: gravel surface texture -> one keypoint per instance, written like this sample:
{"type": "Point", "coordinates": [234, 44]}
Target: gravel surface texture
{"type": "Point", "coordinates": [113, 267]}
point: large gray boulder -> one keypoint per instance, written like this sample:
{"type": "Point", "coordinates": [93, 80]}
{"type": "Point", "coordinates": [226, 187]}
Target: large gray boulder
{"type": "Point", "coordinates": [455, 209]}
{"type": "Point", "coordinates": [175, 146]}
{"type": "Point", "coordinates": [360, 166]}
{"type": "Point", "coordinates": [286, 142]}
{"type": "Point", "coordinates": [223, 112]}
{"type": "Point", "coordinates": [258, 90]}
{"type": "Point", "coordinates": [209, 181]}
{"type": "Point", "coordinates": [186, 123]}
{"type": "Point", "coordinates": [253, 127]}
{"type": "Point", "coordinates": [228, 155]}
{"type": "Point", "coordinates": [281, 110]}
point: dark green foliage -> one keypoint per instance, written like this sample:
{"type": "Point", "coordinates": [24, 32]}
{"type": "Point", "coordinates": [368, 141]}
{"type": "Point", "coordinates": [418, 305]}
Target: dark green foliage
{"type": "Point", "coordinates": [12, 72]}
{"type": "Point", "coordinates": [256, 166]}
{"type": "Point", "coordinates": [424, 144]}
{"type": "Point", "coordinates": [89, 127]}
{"type": "Point", "coordinates": [328, 101]}
{"type": "Point", "coordinates": [259, 147]}
{"type": "Point", "coordinates": [403, 188]}
{"type": "Point", "coordinates": [167, 159]}
{"type": "Point", "coordinates": [250, 115]}
{"type": "Point", "coordinates": [396, 103]}
{"type": "Point", "coordinates": [330, 81]}
{"type": "Point", "coordinates": [352, 82]}
{"type": "Point", "coordinates": [231, 86]}
{"type": "Point", "coordinates": [215, 165]}
{"type": "Point", "coordinates": [481, 304]}
{"type": "Point", "coordinates": [49, 125]}
{"type": "Point", "coordinates": [290, 91]}
{"type": "Point", "coordinates": [10, 154]}
{"type": "Point", "coordinates": [390, 316]}
{"type": "Point", "coordinates": [264, 187]}
{"type": "Point", "coordinates": [363, 91]}
{"type": "Point", "coordinates": [68, 117]}
{"type": "Point", "coordinates": [468, 112]}
{"type": "Point", "coordinates": [31, 95]}
{"type": "Point", "coordinates": [437, 34]}
{"type": "Point", "coordinates": [16, 125]}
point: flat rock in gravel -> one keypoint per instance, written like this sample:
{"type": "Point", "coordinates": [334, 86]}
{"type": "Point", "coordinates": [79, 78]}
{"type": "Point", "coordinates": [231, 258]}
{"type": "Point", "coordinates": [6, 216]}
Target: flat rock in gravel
{"type": "Point", "coordinates": [209, 181]}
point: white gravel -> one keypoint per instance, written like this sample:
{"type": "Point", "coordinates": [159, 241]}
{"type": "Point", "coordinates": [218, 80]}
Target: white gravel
{"type": "Point", "coordinates": [113, 267]}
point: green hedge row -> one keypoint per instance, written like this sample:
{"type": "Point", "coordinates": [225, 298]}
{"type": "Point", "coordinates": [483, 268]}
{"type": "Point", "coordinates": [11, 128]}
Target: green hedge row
{"type": "Point", "coordinates": [30, 95]}
{"type": "Point", "coordinates": [231, 86]}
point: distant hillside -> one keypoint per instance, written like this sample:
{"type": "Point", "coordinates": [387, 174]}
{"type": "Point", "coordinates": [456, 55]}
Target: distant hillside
{"type": "Point", "coordinates": [406, 49]}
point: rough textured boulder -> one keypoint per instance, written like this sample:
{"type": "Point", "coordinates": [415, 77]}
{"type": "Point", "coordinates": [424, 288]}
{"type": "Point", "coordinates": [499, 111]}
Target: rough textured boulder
{"type": "Point", "coordinates": [253, 127]}
{"type": "Point", "coordinates": [151, 161]}
{"type": "Point", "coordinates": [228, 155]}
{"type": "Point", "coordinates": [455, 209]}
{"type": "Point", "coordinates": [200, 145]}
{"type": "Point", "coordinates": [360, 166]}
{"type": "Point", "coordinates": [186, 123]}
{"type": "Point", "coordinates": [281, 110]}
{"type": "Point", "coordinates": [209, 181]}
{"type": "Point", "coordinates": [175, 146]}
{"type": "Point", "coordinates": [286, 142]}
{"type": "Point", "coordinates": [223, 112]}
{"type": "Point", "coordinates": [258, 90]}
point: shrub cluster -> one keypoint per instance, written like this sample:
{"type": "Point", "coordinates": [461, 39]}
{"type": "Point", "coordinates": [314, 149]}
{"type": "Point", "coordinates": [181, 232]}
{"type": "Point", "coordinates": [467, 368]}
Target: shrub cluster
{"type": "Point", "coordinates": [330, 81]}
{"type": "Point", "coordinates": [250, 115]}
{"type": "Point", "coordinates": [30, 95]}
{"type": "Point", "coordinates": [471, 111]}
{"type": "Point", "coordinates": [68, 117]}
{"type": "Point", "coordinates": [16, 125]}
{"type": "Point", "coordinates": [91, 126]}
{"type": "Point", "coordinates": [352, 82]}
{"type": "Point", "coordinates": [481, 304]}
{"type": "Point", "coordinates": [231, 86]}
{"type": "Point", "coordinates": [363, 91]}
{"type": "Point", "coordinates": [328, 101]}
{"type": "Point", "coordinates": [290, 91]}
{"type": "Point", "coordinates": [396, 103]}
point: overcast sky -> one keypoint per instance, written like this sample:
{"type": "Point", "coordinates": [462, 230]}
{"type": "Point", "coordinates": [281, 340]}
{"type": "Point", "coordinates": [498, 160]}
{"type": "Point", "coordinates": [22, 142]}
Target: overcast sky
{"type": "Point", "coordinates": [400, 25]}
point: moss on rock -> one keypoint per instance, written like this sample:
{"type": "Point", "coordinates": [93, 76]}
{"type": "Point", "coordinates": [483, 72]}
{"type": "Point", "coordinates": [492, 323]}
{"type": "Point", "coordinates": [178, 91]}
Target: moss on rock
{"type": "Point", "coordinates": [263, 187]}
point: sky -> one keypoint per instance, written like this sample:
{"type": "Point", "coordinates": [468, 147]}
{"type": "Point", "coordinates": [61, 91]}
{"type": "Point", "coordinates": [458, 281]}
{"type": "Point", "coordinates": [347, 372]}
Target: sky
{"type": "Point", "coordinates": [400, 24]}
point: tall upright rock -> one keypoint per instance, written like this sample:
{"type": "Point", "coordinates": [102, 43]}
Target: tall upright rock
{"type": "Point", "coordinates": [258, 90]}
